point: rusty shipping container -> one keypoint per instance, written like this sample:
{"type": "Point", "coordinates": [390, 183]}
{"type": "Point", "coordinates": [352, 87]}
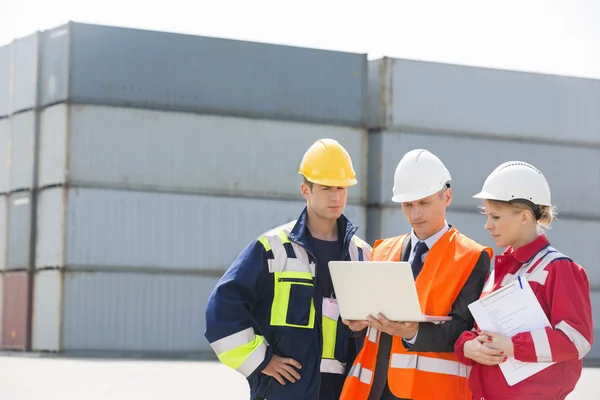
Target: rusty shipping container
{"type": "Point", "coordinates": [15, 309]}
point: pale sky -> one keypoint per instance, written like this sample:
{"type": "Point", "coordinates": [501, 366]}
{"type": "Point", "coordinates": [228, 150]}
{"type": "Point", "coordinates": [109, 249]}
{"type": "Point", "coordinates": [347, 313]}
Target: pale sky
{"type": "Point", "coordinates": [550, 36]}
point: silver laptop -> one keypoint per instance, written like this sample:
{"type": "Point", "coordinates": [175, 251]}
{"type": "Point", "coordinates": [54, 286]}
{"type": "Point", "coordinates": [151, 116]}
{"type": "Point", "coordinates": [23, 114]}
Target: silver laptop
{"type": "Point", "coordinates": [364, 288]}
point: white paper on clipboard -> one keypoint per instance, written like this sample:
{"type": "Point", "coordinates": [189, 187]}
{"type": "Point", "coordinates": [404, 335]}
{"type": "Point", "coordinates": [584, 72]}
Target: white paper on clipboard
{"type": "Point", "coordinates": [511, 310]}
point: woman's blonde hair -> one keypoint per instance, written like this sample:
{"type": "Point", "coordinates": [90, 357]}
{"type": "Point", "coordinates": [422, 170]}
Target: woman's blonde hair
{"type": "Point", "coordinates": [547, 214]}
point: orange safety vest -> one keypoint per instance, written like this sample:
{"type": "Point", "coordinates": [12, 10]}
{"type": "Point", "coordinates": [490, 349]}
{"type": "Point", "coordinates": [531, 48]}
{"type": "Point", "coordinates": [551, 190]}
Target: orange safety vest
{"type": "Point", "coordinates": [421, 375]}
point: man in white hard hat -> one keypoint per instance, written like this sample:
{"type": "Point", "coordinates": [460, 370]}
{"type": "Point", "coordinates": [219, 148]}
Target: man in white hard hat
{"type": "Point", "coordinates": [411, 360]}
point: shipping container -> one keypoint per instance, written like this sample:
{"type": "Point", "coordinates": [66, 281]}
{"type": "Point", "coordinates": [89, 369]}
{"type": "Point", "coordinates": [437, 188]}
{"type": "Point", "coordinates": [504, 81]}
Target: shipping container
{"type": "Point", "coordinates": [594, 354]}
{"type": "Point", "coordinates": [5, 95]}
{"type": "Point", "coordinates": [4, 155]}
{"type": "Point", "coordinates": [25, 72]}
{"type": "Point", "coordinates": [15, 305]}
{"type": "Point", "coordinates": [103, 229]}
{"type": "Point", "coordinates": [19, 231]}
{"type": "Point", "coordinates": [406, 94]}
{"type": "Point", "coordinates": [3, 230]}
{"type": "Point", "coordinates": [471, 160]}
{"type": "Point", "coordinates": [184, 152]}
{"type": "Point", "coordinates": [96, 64]}
{"type": "Point", "coordinates": [568, 236]}
{"type": "Point", "coordinates": [120, 312]}
{"type": "Point", "coordinates": [22, 150]}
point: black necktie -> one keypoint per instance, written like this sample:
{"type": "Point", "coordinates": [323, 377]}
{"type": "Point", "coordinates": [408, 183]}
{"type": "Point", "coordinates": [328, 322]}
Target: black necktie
{"type": "Point", "coordinates": [417, 263]}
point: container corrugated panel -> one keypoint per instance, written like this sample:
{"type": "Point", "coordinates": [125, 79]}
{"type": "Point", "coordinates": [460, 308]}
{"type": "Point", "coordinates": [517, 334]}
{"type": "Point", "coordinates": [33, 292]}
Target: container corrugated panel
{"type": "Point", "coordinates": [159, 150]}
{"type": "Point", "coordinates": [19, 228]}
{"type": "Point", "coordinates": [4, 155]}
{"type": "Point", "coordinates": [445, 97]}
{"type": "Point", "coordinates": [22, 150]}
{"type": "Point", "coordinates": [595, 351]}
{"type": "Point", "coordinates": [5, 95]}
{"type": "Point", "coordinates": [121, 312]}
{"type": "Point", "coordinates": [25, 67]}
{"type": "Point", "coordinates": [122, 66]}
{"type": "Point", "coordinates": [3, 230]}
{"type": "Point", "coordinates": [101, 228]}
{"type": "Point", "coordinates": [470, 160]}
{"type": "Point", "coordinates": [388, 222]}
{"type": "Point", "coordinates": [47, 301]}
{"type": "Point", "coordinates": [14, 310]}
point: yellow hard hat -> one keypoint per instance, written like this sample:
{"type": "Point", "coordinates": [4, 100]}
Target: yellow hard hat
{"type": "Point", "coordinates": [328, 163]}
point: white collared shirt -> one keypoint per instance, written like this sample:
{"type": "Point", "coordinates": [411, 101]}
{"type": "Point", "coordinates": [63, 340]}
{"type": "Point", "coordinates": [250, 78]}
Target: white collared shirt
{"type": "Point", "coordinates": [430, 241]}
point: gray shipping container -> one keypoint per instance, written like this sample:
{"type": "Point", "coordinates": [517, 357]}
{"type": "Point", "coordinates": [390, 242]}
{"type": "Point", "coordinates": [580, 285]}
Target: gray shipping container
{"type": "Point", "coordinates": [406, 94]}
{"type": "Point", "coordinates": [3, 232]}
{"type": "Point", "coordinates": [4, 155]}
{"type": "Point", "coordinates": [120, 312]}
{"type": "Point", "coordinates": [25, 66]}
{"type": "Point", "coordinates": [568, 236]}
{"type": "Point", "coordinates": [5, 95]}
{"type": "Point", "coordinates": [22, 150]}
{"type": "Point", "coordinates": [570, 171]}
{"type": "Point", "coordinates": [19, 228]}
{"type": "Point", "coordinates": [107, 229]}
{"type": "Point", "coordinates": [184, 152]}
{"type": "Point", "coordinates": [95, 64]}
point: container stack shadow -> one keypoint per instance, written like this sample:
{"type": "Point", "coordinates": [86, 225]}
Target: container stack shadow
{"type": "Point", "coordinates": [144, 162]}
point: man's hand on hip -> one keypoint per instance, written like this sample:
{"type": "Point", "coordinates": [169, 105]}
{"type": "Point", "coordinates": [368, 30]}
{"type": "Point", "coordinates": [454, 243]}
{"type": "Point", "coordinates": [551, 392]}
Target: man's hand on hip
{"type": "Point", "coordinates": [280, 368]}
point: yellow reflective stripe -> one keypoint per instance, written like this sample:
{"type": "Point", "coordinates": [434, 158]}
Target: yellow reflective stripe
{"type": "Point", "coordinates": [329, 335]}
{"type": "Point", "coordinates": [284, 238]}
{"type": "Point", "coordinates": [237, 357]}
{"type": "Point", "coordinates": [281, 298]}
{"type": "Point", "coordinates": [265, 243]}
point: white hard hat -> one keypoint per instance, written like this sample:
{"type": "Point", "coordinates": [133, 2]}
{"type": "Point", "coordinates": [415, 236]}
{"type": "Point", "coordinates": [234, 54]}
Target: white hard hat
{"type": "Point", "coordinates": [418, 175]}
{"type": "Point", "coordinates": [516, 180]}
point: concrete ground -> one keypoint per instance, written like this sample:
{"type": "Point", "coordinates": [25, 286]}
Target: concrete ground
{"type": "Point", "coordinates": [30, 377]}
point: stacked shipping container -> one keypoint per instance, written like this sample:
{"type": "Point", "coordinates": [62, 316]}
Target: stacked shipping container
{"type": "Point", "coordinates": [160, 157]}
{"type": "Point", "coordinates": [143, 162]}
{"type": "Point", "coordinates": [474, 119]}
{"type": "Point", "coordinates": [18, 135]}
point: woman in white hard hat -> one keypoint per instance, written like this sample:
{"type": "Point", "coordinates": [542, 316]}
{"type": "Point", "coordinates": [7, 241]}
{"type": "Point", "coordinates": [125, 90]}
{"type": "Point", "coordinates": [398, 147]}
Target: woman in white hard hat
{"type": "Point", "coordinates": [516, 199]}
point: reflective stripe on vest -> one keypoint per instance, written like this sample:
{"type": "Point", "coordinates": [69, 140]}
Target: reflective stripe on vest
{"type": "Point", "coordinates": [429, 364]}
{"type": "Point", "coordinates": [292, 269]}
{"type": "Point", "coordinates": [364, 375]}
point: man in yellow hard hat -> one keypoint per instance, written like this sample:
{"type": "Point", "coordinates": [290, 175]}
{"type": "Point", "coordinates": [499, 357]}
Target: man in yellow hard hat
{"type": "Point", "coordinates": [273, 316]}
